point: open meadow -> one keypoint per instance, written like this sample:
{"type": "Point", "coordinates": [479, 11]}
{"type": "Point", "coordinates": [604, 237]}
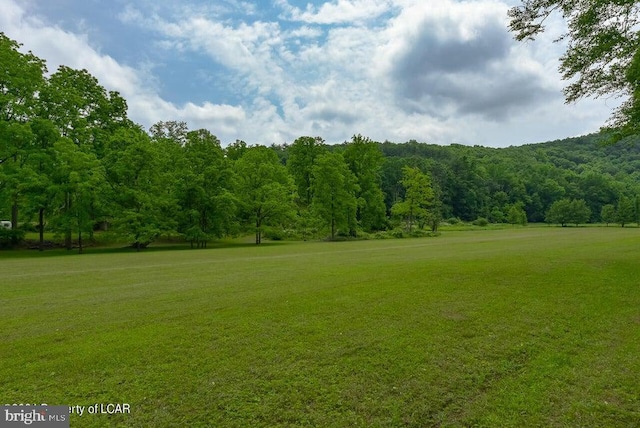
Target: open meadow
{"type": "Point", "coordinates": [520, 327]}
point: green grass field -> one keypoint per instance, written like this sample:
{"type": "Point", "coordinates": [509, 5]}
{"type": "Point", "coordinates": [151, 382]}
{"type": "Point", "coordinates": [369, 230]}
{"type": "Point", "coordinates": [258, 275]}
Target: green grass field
{"type": "Point", "coordinates": [529, 327]}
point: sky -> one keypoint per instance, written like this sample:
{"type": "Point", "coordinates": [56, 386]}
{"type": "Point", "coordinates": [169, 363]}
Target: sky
{"type": "Point", "coordinates": [436, 71]}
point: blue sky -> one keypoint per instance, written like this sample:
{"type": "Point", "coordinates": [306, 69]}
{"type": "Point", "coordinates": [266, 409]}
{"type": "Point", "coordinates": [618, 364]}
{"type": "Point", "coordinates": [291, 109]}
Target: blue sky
{"type": "Point", "coordinates": [444, 71]}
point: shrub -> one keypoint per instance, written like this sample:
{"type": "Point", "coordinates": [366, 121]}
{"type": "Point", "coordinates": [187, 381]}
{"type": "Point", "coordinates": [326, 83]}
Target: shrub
{"type": "Point", "coordinates": [420, 233]}
{"type": "Point", "coordinates": [480, 221]}
{"type": "Point", "coordinates": [10, 238]}
{"type": "Point", "coordinates": [397, 233]}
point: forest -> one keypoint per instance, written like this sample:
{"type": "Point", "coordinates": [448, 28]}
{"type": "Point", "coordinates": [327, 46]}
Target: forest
{"type": "Point", "coordinates": [72, 163]}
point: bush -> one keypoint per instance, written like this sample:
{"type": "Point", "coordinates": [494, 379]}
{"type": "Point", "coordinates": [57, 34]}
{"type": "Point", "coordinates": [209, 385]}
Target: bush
{"type": "Point", "coordinates": [420, 233]}
{"type": "Point", "coordinates": [397, 233]}
{"type": "Point", "coordinates": [29, 227]}
{"type": "Point", "coordinates": [281, 234]}
{"type": "Point", "coordinates": [453, 220]}
{"type": "Point", "coordinates": [10, 238]}
{"type": "Point", "coordinates": [480, 221]}
{"type": "Point", "coordinates": [381, 235]}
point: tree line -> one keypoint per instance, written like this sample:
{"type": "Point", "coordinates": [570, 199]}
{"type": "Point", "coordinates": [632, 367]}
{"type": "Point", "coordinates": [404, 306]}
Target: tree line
{"type": "Point", "coordinates": [72, 163]}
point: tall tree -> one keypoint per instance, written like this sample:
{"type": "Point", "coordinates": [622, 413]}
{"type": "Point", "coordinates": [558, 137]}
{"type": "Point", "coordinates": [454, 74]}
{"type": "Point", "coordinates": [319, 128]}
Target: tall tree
{"type": "Point", "coordinates": [365, 160]}
{"type": "Point", "coordinates": [78, 181]}
{"type": "Point", "coordinates": [39, 183]}
{"type": "Point", "coordinates": [207, 203]}
{"type": "Point", "coordinates": [303, 154]}
{"type": "Point", "coordinates": [418, 198]}
{"type": "Point", "coordinates": [334, 190]}
{"type": "Point", "coordinates": [82, 109]}
{"type": "Point", "coordinates": [517, 214]}
{"type": "Point", "coordinates": [567, 211]}
{"type": "Point", "coordinates": [171, 130]}
{"type": "Point", "coordinates": [264, 189]}
{"type": "Point", "coordinates": [21, 80]}
{"type": "Point", "coordinates": [626, 211]}
{"type": "Point", "coordinates": [143, 203]}
{"type": "Point", "coordinates": [608, 214]}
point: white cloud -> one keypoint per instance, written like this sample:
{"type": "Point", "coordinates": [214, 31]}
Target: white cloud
{"type": "Point", "coordinates": [60, 47]}
{"type": "Point", "coordinates": [387, 70]}
{"type": "Point", "coordinates": [337, 11]}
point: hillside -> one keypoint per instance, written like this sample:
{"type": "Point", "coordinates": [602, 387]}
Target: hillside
{"type": "Point", "coordinates": [483, 182]}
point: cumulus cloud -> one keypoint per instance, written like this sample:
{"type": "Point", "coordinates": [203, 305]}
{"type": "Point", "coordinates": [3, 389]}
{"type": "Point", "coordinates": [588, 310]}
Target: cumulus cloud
{"type": "Point", "coordinates": [456, 59]}
{"type": "Point", "coordinates": [442, 72]}
{"type": "Point", "coordinates": [337, 11]}
{"type": "Point", "coordinates": [60, 47]}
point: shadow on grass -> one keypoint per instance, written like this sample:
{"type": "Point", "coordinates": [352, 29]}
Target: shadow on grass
{"type": "Point", "coordinates": [120, 249]}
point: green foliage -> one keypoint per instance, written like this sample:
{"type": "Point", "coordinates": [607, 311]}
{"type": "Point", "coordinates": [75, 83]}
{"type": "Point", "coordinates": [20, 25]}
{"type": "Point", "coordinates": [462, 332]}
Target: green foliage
{"type": "Point", "coordinates": [365, 161]}
{"type": "Point", "coordinates": [517, 215]}
{"type": "Point", "coordinates": [77, 186]}
{"type": "Point", "coordinates": [21, 79]}
{"type": "Point", "coordinates": [82, 109]}
{"type": "Point", "coordinates": [141, 195]}
{"type": "Point", "coordinates": [71, 161]}
{"type": "Point", "coordinates": [625, 213]}
{"type": "Point", "coordinates": [453, 220]}
{"type": "Point", "coordinates": [567, 211]}
{"type": "Point", "coordinates": [264, 190]}
{"type": "Point", "coordinates": [602, 56]}
{"type": "Point", "coordinates": [302, 158]}
{"type": "Point", "coordinates": [418, 198]}
{"type": "Point", "coordinates": [9, 238]}
{"type": "Point", "coordinates": [497, 215]}
{"type": "Point", "coordinates": [334, 194]}
{"type": "Point", "coordinates": [608, 214]}
{"type": "Point", "coordinates": [204, 189]}
{"type": "Point", "coordinates": [480, 221]}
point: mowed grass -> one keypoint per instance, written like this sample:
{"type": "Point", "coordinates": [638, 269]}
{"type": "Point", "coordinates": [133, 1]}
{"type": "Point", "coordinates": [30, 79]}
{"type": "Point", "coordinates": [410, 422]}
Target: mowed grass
{"type": "Point", "coordinates": [530, 327]}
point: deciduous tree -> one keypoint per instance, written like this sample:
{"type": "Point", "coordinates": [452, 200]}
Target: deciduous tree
{"type": "Point", "coordinates": [418, 198]}
{"type": "Point", "coordinates": [365, 160]}
{"type": "Point", "coordinates": [143, 202]}
{"type": "Point", "coordinates": [334, 194]}
{"type": "Point", "coordinates": [78, 182]}
{"type": "Point", "coordinates": [625, 213]}
{"type": "Point", "coordinates": [207, 204]}
{"type": "Point", "coordinates": [21, 81]}
{"type": "Point", "coordinates": [567, 211]}
{"type": "Point", "coordinates": [303, 154]}
{"type": "Point", "coordinates": [517, 214]}
{"type": "Point", "coordinates": [608, 214]}
{"type": "Point", "coordinates": [602, 55]}
{"type": "Point", "coordinates": [264, 189]}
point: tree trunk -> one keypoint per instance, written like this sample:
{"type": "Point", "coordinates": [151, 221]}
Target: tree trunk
{"type": "Point", "coordinates": [258, 232]}
{"type": "Point", "coordinates": [79, 241]}
{"type": "Point", "coordinates": [67, 238]}
{"type": "Point", "coordinates": [14, 212]}
{"type": "Point", "coordinates": [41, 228]}
{"type": "Point", "coordinates": [333, 228]}
{"type": "Point", "coordinates": [14, 216]}
{"type": "Point", "coordinates": [333, 219]}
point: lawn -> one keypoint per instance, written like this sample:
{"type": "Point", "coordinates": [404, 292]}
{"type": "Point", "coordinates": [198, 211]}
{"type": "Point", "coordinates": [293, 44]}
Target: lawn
{"type": "Point", "coordinates": [522, 327]}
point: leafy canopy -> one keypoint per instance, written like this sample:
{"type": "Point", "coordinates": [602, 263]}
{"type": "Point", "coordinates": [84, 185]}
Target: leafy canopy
{"type": "Point", "coordinates": [602, 56]}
